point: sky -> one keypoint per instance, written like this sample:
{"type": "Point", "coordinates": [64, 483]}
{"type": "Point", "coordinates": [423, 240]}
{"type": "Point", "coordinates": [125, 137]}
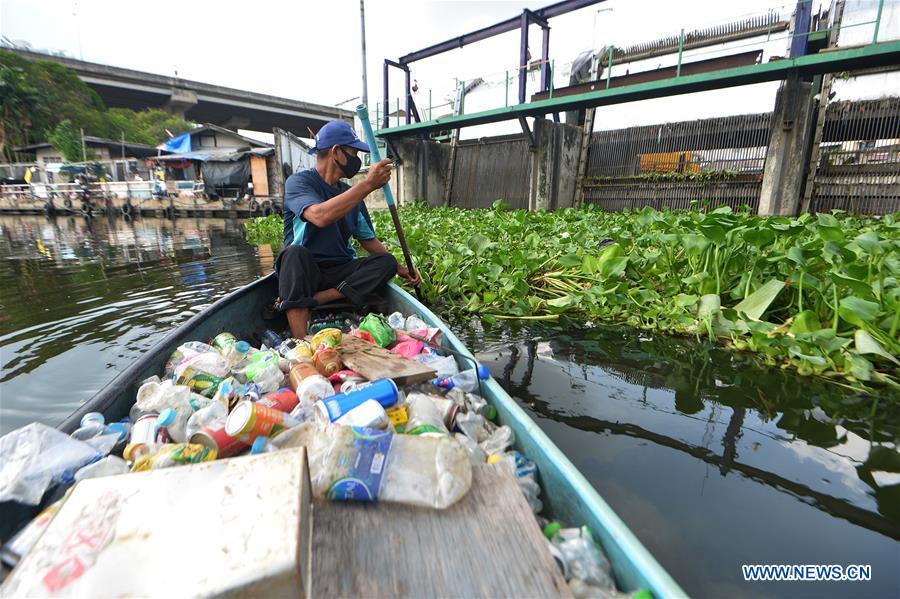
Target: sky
{"type": "Point", "coordinates": [310, 51]}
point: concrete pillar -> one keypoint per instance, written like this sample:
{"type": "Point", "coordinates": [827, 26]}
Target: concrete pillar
{"type": "Point", "coordinates": [180, 101]}
{"type": "Point", "coordinates": [787, 154]}
{"type": "Point", "coordinates": [554, 165]}
{"type": "Point", "coordinates": [422, 171]}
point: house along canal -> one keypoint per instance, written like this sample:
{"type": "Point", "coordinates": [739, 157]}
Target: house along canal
{"type": "Point", "coordinates": [711, 460]}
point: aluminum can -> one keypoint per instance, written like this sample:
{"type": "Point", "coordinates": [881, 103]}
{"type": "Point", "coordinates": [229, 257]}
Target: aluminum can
{"type": "Point", "coordinates": [249, 420]}
{"type": "Point", "coordinates": [384, 391]}
{"type": "Point", "coordinates": [284, 399]}
{"type": "Point", "coordinates": [223, 341]}
{"type": "Point", "coordinates": [216, 438]}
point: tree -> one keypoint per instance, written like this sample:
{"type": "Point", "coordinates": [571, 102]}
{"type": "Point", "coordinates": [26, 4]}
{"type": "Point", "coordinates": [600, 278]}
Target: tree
{"type": "Point", "coordinates": [67, 139]}
{"type": "Point", "coordinates": [36, 97]}
{"type": "Point", "coordinates": [16, 99]}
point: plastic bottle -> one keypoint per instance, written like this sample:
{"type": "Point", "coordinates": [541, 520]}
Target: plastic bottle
{"type": "Point", "coordinates": [467, 380]}
{"type": "Point", "coordinates": [349, 463]}
{"type": "Point", "coordinates": [262, 368]}
{"type": "Point", "coordinates": [108, 466]}
{"type": "Point", "coordinates": [424, 417]}
{"type": "Point", "coordinates": [214, 413]}
{"type": "Point", "coordinates": [582, 558]}
{"type": "Point", "coordinates": [89, 430]}
{"type": "Point", "coordinates": [327, 361]}
{"type": "Point", "coordinates": [236, 354]}
{"type": "Point", "coordinates": [165, 418]}
{"type": "Point", "coordinates": [178, 422]}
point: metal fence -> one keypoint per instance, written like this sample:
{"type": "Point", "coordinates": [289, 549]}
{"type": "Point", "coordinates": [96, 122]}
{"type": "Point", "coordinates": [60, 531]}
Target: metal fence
{"type": "Point", "coordinates": [491, 169]}
{"type": "Point", "coordinates": [859, 163]}
{"type": "Point", "coordinates": [717, 161]}
{"type": "Point", "coordinates": [720, 161]}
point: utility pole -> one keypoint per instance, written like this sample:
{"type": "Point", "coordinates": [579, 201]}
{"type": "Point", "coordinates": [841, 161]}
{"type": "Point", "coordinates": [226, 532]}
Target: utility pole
{"type": "Point", "coordinates": [362, 24]}
{"type": "Point", "coordinates": [83, 150]}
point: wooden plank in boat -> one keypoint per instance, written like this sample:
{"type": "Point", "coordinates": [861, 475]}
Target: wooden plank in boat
{"type": "Point", "coordinates": [487, 545]}
{"type": "Point", "coordinates": [375, 362]}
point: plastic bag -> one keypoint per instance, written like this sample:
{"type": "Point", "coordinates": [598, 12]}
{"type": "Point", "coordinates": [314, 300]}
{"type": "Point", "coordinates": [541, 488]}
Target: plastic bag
{"type": "Point", "coordinates": [32, 457]}
{"type": "Point", "coordinates": [108, 466]}
{"type": "Point", "coordinates": [378, 327]}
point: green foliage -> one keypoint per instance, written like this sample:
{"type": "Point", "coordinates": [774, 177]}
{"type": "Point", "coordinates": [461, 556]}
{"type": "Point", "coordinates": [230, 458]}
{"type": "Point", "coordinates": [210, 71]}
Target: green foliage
{"type": "Point", "coordinates": [265, 230]}
{"type": "Point", "coordinates": [796, 291]}
{"type": "Point", "coordinates": [17, 96]}
{"type": "Point", "coordinates": [36, 96]}
{"type": "Point", "coordinates": [67, 139]}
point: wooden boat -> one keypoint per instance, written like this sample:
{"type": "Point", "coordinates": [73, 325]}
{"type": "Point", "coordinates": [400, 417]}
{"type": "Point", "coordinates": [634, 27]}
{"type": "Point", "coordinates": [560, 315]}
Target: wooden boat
{"type": "Point", "coordinates": [566, 494]}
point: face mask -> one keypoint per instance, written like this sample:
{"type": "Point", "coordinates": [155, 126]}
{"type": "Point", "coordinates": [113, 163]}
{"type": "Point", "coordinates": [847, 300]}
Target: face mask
{"type": "Point", "coordinates": [353, 164]}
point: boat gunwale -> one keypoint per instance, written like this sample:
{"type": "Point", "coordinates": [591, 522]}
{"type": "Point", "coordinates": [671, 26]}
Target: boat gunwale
{"type": "Point", "coordinates": [646, 566]}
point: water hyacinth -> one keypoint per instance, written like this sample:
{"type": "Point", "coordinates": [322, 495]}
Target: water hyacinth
{"type": "Point", "coordinates": [815, 292]}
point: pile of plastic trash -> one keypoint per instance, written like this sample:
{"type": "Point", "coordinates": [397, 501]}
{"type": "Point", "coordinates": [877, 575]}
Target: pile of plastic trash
{"type": "Point", "coordinates": [365, 439]}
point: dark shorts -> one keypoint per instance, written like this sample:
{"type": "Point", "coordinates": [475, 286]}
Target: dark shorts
{"type": "Point", "coordinates": [300, 276]}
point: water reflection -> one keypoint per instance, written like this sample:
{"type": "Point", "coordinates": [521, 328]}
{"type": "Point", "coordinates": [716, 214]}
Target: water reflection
{"type": "Point", "coordinates": [82, 298]}
{"type": "Point", "coordinates": [710, 458]}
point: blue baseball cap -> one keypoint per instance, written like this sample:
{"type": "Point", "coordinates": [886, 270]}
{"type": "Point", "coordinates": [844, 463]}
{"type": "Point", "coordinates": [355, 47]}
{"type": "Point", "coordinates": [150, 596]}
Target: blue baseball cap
{"type": "Point", "coordinates": [338, 133]}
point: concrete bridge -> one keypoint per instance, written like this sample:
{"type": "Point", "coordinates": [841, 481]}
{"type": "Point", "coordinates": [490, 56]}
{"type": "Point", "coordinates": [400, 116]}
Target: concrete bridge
{"type": "Point", "coordinates": [195, 101]}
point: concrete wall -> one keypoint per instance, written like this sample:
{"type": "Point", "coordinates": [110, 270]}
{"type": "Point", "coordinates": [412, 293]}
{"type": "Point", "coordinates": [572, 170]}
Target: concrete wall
{"type": "Point", "coordinates": [504, 168]}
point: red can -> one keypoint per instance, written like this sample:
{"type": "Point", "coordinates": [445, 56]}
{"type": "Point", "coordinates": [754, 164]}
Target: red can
{"type": "Point", "coordinates": [284, 399]}
{"type": "Point", "coordinates": [216, 438]}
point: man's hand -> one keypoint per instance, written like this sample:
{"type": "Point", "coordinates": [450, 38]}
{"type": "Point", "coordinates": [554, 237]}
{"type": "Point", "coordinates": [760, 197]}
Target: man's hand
{"type": "Point", "coordinates": [378, 176]}
{"type": "Point", "coordinates": [413, 277]}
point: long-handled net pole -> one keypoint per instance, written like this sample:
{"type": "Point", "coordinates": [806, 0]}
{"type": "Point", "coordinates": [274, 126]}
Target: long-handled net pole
{"type": "Point", "coordinates": [363, 113]}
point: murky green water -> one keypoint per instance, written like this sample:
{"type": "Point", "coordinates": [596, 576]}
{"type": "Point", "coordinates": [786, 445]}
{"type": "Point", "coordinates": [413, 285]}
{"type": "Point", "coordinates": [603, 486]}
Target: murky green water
{"type": "Point", "coordinates": [710, 460]}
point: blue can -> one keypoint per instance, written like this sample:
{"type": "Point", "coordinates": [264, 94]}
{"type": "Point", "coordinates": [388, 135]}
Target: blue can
{"type": "Point", "coordinates": [384, 391]}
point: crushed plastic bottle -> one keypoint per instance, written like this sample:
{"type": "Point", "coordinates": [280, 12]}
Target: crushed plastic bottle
{"type": "Point", "coordinates": [396, 320]}
{"type": "Point", "coordinates": [214, 413]}
{"type": "Point", "coordinates": [108, 466]}
{"type": "Point", "coordinates": [467, 380]}
{"type": "Point", "coordinates": [361, 464]}
{"type": "Point", "coordinates": [499, 441]}
{"type": "Point", "coordinates": [582, 559]}
{"type": "Point", "coordinates": [444, 366]}
{"type": "Point", "coordinates": [414, 323]}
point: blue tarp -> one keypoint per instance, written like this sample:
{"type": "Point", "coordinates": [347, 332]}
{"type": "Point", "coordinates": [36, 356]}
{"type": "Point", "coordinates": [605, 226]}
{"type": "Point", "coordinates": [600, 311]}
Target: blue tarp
{"type": "Point", "coordinates": [179, 144]}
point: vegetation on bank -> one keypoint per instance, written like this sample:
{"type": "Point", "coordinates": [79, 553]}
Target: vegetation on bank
{"type": "Point", "coordinates": [819, 293]}
{"type": "Point", "coordinates": [45, 101]}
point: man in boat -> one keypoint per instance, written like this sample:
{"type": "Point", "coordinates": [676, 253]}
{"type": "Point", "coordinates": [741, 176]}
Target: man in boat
{"type": "Point", "coordinates": [321, 213]}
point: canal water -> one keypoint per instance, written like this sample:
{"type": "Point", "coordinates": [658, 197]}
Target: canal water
{"type": "Point", "coordinates": [712, 461]}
